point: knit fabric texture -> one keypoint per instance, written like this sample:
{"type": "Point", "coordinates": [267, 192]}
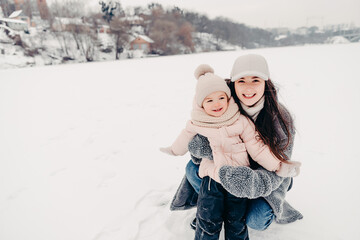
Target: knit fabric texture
{"type": "Point", "coordinates": [200, 118]}
{"type": "Point", "coordinates": [207, 83]}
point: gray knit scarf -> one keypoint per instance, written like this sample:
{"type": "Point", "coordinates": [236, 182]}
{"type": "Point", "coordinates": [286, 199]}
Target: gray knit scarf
{"type": "Point", "coordinates": [200, 118]}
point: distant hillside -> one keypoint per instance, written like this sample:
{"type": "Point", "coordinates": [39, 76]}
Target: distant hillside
{"type": "Point", "coordinates": [71, 34]}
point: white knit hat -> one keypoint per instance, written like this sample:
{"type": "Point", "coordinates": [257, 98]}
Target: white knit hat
{"type": "Point", "coordinates": [250, 65]}
{"type": "Point", "coordinates": [208, 83]}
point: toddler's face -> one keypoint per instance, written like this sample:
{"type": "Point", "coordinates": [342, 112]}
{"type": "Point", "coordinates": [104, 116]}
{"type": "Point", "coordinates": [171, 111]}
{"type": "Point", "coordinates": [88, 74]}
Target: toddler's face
{"type": "Point", "coordinates": [216, 104]}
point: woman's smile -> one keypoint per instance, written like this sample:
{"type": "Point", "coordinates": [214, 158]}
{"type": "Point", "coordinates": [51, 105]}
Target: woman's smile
{"type": "Point", "coordinates": [248, 96]}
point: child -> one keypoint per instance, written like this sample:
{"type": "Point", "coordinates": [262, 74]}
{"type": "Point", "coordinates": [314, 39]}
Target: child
{"type": "Point", "coordinates": [216, 116]}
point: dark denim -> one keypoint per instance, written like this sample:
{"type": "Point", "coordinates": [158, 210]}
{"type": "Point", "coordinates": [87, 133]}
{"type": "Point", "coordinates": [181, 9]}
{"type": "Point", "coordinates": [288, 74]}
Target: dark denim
{"type": "Point", "coordinates": [215, 205]}
{"type": "Point", "coordinates": [259, 214]}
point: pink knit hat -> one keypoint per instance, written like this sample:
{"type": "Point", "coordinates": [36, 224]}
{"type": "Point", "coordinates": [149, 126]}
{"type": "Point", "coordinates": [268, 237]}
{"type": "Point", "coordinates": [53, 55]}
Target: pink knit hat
{"type": "Point", "coordinates": [208, 83]}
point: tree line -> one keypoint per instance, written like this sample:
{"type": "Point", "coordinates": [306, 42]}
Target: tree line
{"type": "Point", "coordinates": [173, 30]}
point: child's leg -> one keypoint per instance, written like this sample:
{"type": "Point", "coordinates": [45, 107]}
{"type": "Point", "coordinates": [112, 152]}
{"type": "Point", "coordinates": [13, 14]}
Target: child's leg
{"type": "Point", "coordinates": [210, 207]}
{"type": "Point", "coordinates": [259, 214]}
{"type": "Point", "coordinates": [235, 218]}
{"type": "Point", "coordinates": [192, 175]}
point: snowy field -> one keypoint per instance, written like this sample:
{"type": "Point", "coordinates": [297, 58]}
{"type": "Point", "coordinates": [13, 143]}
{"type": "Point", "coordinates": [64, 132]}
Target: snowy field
{"type": "Point", "coordinates": [79, 156]}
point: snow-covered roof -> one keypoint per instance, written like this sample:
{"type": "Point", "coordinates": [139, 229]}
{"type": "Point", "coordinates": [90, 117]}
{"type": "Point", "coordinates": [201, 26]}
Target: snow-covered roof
{"type": "Point", "coordinates": [146, 38]}
{"type": "Point", "coordinates": [15, 14]}
{"type": "Point", "coordinates": [12, 20]}
{"type": "Point", "coordinates": [70, 20]}
{"type": "Point", "coordinates": [337, 40]}
{"type": "Point", "coordinates": [282, 36]}
{"type": "Point", "coordinates": [132, 18]}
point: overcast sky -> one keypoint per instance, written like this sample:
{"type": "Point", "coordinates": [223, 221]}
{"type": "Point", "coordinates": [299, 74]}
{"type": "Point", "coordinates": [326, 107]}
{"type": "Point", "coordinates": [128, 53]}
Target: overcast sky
{"type": "Point", "coordinates": [267, 13]}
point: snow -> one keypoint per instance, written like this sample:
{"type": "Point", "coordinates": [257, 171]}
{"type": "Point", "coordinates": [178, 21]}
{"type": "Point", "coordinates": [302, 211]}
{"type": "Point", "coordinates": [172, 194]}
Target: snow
{"type": "Point", "coordinates": [16, 21]}
{"type": "Point", "coordinates": [13, 56]}
{"type": "Point", "coordinates": [66, 21]}
{"type": "Point", "coordinates": [3, 37]}
{"type": "Point", "coordinates": [80, 158]}
{"type": "Point", "coordinates": [282, 36]}
{"type": "Point", "coordinates": [15, 14]}
{"type": "Point", "coordinates": [208, 42]}
{"type": "Point", "coordinates": [337, 40]}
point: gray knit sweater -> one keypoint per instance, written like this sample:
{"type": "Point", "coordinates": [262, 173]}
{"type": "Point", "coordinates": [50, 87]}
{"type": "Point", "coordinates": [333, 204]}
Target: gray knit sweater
{"type": "Point", "coordinates": [243, 181]}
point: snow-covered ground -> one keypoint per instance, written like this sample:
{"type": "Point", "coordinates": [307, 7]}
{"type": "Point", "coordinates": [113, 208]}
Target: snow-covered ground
{"type": "Point", "coordinates": [79, 156]}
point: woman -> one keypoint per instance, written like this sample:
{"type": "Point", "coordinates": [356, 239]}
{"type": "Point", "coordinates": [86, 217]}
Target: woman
{"type": "Point", "coordinates": [256, 97]}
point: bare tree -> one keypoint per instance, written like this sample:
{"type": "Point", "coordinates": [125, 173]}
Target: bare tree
{"type": "Point", "coordinates": [7, 7]}
{"type": "Point", "coordinates": [120, 30]}
{"type": "Point", "coordinates": [164, 33]}
{"type": "Point", "coordinates": [58, 10]}
{"type": "Point", "coordinates": [68, 8]}
{"type": "Point", "coordinates": [43, 9]}
{"type": "Point", "coordinates": [185, 35]}
{"type": "Point", "coordinates": [84, 38]}
{"type": "Point", "coordinates": [112, 14]}
{"type": "Point", "coordinates": [171, 33]}
{"type": "Point", "coordinates": [27, 8]}
{"type": "Point", "coordinates": [71, 29]}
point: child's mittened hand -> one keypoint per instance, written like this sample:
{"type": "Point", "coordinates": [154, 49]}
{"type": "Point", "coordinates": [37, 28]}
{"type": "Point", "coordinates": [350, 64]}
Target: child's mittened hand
{"type": "Point", "coordinates": [289, 169]}
{"type": "Point", "coordinates": [167, 150]}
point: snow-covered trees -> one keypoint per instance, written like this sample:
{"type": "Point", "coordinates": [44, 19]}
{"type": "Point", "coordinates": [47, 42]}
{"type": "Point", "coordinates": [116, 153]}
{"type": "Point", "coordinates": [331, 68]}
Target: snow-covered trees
{"type": "Point", "coordinates": [170, 31]}
{"type": "Point", "coordinates": [75, 36]}
{"type": "Point", "coordinates": [113, 14]}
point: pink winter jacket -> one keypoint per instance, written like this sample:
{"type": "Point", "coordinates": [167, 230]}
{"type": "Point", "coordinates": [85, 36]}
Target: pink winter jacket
{"type": "Point", "coordinates": [230, 144]}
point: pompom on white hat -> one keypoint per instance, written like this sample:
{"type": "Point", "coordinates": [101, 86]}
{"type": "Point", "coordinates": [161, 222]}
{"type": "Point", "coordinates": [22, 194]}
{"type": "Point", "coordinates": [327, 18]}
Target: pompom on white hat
{"type": "Point", "coordinates": [208, 83]}
{"type": "Point", "coordinates": [250, 65]}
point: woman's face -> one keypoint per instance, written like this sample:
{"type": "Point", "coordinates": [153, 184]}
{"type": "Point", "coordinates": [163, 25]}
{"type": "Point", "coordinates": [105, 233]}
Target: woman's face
{"type": "Point", "coordinates": [215, 104]}
{"type": "Point", "coordinates": [249, 89]}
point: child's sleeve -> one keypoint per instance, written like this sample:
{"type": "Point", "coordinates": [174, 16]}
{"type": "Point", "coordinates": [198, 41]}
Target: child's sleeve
{"type": "Point", "coordinates": [180, 146]}
{"type": "Point", "coordinates": [256, 148]}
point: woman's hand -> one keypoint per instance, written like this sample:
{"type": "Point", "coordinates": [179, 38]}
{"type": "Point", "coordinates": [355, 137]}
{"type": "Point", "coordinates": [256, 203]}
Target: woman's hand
{"type": "Point", "coordinates": [289, 169]}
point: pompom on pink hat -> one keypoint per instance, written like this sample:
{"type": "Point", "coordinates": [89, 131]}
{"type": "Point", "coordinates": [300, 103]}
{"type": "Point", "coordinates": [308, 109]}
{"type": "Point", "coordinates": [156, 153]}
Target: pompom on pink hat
{"type": "Point", "coordinates": [208, 83]}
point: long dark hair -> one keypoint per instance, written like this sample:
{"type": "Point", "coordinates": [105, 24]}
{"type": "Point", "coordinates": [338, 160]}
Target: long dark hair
{"type": "Point", "coordinates": [265, 122]}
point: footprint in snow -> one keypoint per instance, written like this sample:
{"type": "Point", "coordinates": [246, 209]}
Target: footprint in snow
{"type": "Point", "coordinates": [151, 219]}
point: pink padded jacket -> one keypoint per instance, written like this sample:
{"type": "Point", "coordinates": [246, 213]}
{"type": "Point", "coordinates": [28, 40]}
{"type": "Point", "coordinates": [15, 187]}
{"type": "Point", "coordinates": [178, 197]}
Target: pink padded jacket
{"type": "Point", "coordinates": [230, 144]}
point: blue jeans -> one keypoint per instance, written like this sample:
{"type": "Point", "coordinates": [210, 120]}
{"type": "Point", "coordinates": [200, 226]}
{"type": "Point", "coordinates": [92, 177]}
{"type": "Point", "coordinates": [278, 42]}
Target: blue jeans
{"type": "Point", "coordinates": [259, 215]}
{"type": "Point", "coordinates": [192, 175]}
